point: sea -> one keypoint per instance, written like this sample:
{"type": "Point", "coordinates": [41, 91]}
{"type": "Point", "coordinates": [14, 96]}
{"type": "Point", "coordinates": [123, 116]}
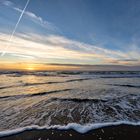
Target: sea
{"type": "Point", "coordinates": [79, 100]}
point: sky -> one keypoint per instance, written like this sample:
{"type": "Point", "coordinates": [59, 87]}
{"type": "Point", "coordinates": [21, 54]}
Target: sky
{"type": "Point", "coordinates": [91, 32]}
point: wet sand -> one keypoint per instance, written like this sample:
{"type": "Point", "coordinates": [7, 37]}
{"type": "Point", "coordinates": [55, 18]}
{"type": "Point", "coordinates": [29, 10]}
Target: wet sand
{"type": "Point", "coordinates": [120, 132]}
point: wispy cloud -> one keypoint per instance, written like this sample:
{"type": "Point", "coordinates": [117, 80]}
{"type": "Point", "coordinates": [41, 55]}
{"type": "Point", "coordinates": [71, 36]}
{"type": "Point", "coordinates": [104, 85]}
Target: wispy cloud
{"type": "Point", "coordinates": [125, 61]}
{"type": "Point", "coordinates": [31, 16]}
{"type": "Point", "coordinates": [6, 3]}
{"type": "Point", "coordinates": [22, 56]}
{"type": "Point", "coordinates": [37, 19]}
{"type": "Point", "coordinates": [58, 48]}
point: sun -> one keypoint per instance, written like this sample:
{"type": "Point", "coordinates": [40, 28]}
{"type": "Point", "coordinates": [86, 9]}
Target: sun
{"type": "Point", "coordinates": [30, 68]}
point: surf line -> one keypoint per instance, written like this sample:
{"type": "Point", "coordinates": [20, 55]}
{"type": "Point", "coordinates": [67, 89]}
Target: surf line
{"type": "Point", "coordinates": [15, 28]}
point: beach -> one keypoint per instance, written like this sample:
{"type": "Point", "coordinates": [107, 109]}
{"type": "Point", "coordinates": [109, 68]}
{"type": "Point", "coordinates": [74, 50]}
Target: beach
{"type": "Point", "coordinates": [120, 132]}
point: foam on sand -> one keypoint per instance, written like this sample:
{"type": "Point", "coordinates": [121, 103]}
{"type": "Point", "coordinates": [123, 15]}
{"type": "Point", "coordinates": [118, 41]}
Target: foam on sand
{"type": "Point", "coordinates": [77, 127]}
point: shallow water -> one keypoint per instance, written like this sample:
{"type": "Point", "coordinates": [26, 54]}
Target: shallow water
{"type": "Point", "coordinates": [60, 98]}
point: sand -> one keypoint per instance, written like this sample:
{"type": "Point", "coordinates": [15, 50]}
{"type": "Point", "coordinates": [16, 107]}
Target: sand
{"type": "Point", "coordinates": [120, 132]}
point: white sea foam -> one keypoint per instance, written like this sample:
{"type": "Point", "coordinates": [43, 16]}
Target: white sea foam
{"type": "Point", "coordinates": [77, 127]}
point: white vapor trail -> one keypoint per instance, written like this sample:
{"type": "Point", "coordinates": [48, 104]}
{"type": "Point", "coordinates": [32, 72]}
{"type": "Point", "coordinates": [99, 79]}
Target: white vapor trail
{"type": "Point", "coordinates": [12, 35]}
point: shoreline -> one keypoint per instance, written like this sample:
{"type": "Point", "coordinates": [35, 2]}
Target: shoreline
{"type": "Point", "coordinates": [118, 132]}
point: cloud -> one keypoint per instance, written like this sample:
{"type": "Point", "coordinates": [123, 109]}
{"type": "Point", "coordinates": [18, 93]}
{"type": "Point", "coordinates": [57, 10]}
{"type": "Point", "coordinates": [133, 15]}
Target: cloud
{"type": "Point", "coordinates": [31, 16]}
{"type": "Point", "coordinates": [54, 48]}
{"type": "Point", "coordinates": [22, 56]}
{"type": "Point", "coordinates": [129, 60]}
{"type": "Point", "coordinates": [6, 3]}
{"type": "Point", "coordinates": [38, 20]}
{"type": "Point", "coordinates": [56, 40]}
{"type": "Point", "coordinates": [125, 61]}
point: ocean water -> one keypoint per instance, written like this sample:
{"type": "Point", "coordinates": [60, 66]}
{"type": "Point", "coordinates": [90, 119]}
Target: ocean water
{"type": "Point", "coordinates": [51, 99]}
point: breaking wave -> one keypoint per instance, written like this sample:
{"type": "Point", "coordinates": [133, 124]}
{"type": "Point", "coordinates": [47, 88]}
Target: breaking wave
{"type": "Point", "coordinates": [77, 127]}
{"type": "Point", "coordinates": [58, 111]}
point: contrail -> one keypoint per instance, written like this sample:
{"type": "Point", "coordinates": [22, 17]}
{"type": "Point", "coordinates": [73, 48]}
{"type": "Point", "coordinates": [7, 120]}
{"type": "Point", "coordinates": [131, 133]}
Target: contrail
{"type": "Point", "coordinates": [12, 35]}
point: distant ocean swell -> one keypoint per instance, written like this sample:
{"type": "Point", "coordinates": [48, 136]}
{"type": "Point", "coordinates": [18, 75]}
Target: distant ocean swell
{"type": "Point", "coordinates": [36, 84]}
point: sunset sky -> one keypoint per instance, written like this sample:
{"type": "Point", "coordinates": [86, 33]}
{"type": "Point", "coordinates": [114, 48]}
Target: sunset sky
{"type": "Point", "coordinates": [95, 32]}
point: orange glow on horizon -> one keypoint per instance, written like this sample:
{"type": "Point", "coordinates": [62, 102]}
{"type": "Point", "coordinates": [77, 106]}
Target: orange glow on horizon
{"type": "Point", "coordinates": [34, 67]}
